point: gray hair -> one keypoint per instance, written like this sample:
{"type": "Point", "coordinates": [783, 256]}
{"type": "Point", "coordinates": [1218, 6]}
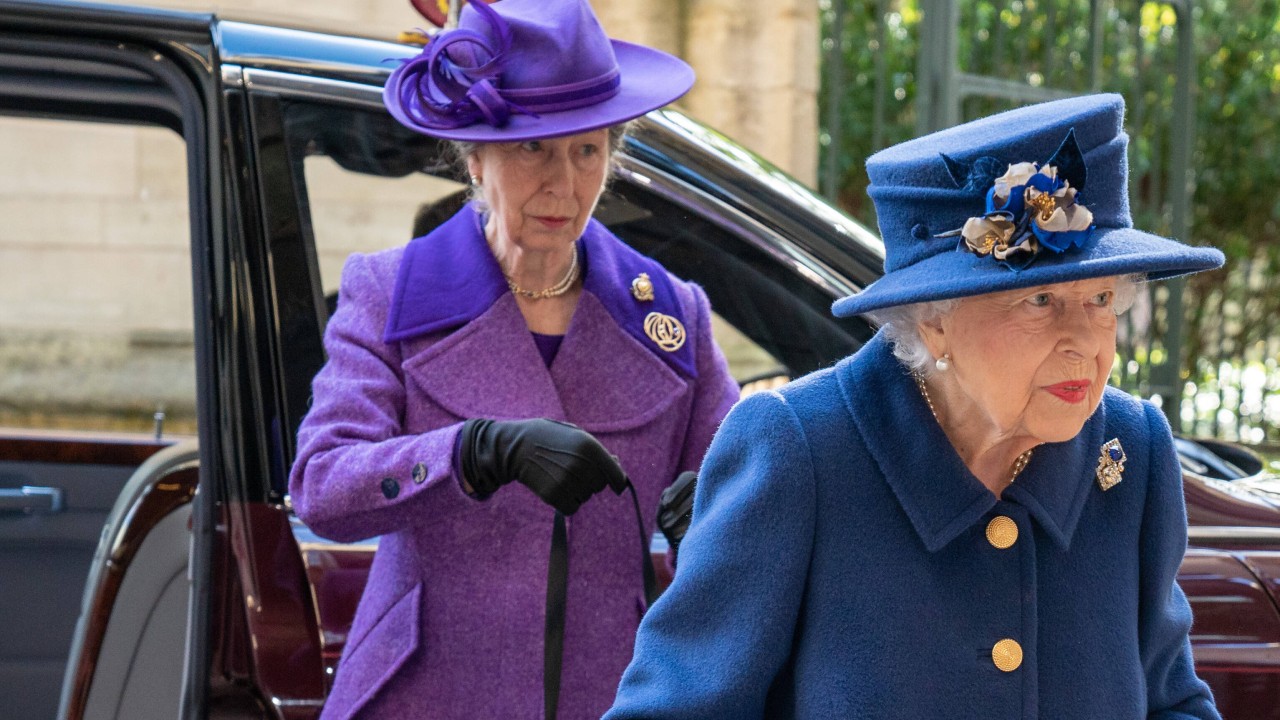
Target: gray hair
{"type": "Point", "coordinates": [901, 324]}
{"type": "Point", "coordinates": [460, 150]}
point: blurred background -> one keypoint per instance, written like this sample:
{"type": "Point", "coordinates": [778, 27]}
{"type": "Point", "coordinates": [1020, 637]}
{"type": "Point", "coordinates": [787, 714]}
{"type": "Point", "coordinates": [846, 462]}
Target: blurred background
{"type": "Point", "coordinates": [812, 86]}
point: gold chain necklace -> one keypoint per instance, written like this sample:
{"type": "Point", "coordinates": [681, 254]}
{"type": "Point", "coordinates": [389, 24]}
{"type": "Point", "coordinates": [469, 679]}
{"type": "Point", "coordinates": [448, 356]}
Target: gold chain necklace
{"type": "Point", "coordinates": [556, 290]}
{"type": "Point", "coordinates": [1018, 464]}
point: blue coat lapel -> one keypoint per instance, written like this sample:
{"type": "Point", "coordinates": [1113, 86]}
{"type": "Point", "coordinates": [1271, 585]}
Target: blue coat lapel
{"type": "Point", "coordinates": [937, 492]}
{"type": "Point", "coordinates": [1060, 478]}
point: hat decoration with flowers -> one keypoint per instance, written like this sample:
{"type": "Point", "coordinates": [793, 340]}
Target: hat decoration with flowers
{"type": "Point", "coordinates": [1032, 207]}
{"type": "Point", "coordinates": [1020, 222]}
{"type": "Point", "coordinates": [529, 69]}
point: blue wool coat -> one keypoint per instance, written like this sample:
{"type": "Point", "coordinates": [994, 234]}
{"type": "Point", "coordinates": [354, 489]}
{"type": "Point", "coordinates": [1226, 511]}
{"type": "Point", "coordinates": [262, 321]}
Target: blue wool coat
{"type": "Point", "coordinates": [838, 566]}
{"type": "Point", "coordinates": [452, 620]}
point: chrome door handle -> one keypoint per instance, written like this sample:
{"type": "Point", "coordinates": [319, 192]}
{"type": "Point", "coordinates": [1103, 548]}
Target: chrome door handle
{"type": "Point", "coordinates": [31, 500]}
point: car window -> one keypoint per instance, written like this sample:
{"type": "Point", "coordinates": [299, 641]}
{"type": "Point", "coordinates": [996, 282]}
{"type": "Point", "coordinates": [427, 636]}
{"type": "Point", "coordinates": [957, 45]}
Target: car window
{"type": "Point", "coordinates": [96, 304]}
{"type": "Point", "coordinates": [786, 318]}
{"type": "Point", "coordinates": [359, 212]}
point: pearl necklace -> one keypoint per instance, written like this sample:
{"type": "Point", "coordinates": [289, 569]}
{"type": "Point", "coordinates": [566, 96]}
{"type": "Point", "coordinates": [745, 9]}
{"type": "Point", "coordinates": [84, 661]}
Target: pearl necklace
{"type": "Point", "coordinates": [1018, 464]}
{"type": "Point", "coordinates": [556, 290]}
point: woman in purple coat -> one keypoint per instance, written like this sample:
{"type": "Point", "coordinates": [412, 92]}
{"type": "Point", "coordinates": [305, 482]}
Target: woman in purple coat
{"type": "Point", "coordinates": [488, 380]}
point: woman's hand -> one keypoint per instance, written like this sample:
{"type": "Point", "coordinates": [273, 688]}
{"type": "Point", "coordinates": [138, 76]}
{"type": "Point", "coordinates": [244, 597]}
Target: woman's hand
{"type": "Point", "coordinates": [676, 509]}
{"type": "Point", "coordinates": [561, 463]}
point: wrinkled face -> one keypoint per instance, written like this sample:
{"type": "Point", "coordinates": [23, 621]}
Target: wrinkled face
{"type": "Point", "coordinates": [542, 192]}
{"type": "Point", "coordinates": [1031, 362]}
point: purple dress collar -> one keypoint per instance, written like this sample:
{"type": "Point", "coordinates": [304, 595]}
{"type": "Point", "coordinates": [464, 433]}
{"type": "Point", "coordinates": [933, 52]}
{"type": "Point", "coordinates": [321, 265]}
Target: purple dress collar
{"type": "Point", "coordinates": [449, 277]}
{"type": "Point", "coordinates": [548, 346]}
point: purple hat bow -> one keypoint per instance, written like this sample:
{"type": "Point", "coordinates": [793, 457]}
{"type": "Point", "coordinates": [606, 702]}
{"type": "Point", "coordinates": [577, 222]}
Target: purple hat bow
{"type": "Point", "coordinates": [456, 81]}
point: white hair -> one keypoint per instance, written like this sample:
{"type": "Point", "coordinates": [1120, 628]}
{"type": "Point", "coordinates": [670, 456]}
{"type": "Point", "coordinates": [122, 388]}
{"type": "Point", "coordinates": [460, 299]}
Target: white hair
{"type": "Point", "coordinates": [901, 323]}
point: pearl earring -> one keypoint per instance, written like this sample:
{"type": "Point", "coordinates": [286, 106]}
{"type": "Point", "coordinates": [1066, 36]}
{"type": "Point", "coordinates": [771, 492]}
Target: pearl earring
{"type": "Point", "coordinates": [475, 180]}
{"type": "Point", "coordinates": [943, 363]}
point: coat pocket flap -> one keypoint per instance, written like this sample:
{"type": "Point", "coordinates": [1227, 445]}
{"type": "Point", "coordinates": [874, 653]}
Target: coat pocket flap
{"type": "Point", "coordinates": [379, 656]}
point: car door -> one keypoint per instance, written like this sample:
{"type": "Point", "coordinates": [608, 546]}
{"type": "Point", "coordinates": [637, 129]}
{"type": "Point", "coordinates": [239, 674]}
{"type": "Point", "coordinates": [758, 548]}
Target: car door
{"type": "Point", "coordinates": [101, 138]}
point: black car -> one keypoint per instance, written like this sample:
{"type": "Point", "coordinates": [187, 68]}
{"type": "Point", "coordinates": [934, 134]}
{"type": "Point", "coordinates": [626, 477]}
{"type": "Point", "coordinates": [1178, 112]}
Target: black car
{"type": "Point", "coordinates": [149, 564]}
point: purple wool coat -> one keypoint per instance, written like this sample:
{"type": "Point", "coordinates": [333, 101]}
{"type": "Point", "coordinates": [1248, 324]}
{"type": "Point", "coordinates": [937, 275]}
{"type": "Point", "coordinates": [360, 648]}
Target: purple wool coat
{"type": "Point", "coordinates": [426, 336]}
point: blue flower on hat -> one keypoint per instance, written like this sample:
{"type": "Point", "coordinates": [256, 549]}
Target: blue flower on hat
{"type": "Point", "coordinates": [1029, 208]}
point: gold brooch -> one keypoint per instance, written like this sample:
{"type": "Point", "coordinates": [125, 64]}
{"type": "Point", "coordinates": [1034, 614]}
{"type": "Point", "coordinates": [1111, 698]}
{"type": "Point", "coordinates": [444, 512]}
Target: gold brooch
{"type": "Point", "coordinates": [642, 288]}
{"type": "Point", "coordinates": [664, 330]}
{"type": "Point", "coordinates": [1110, 464]}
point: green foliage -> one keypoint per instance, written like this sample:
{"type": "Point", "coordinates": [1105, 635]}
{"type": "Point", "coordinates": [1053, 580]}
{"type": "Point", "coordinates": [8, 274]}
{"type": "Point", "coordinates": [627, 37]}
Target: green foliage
{"type": "Point", "coordinates": [1046, 43]}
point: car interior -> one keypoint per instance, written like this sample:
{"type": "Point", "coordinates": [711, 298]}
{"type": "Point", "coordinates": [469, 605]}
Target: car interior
{"type": "Point", "coordinates": [132, 666]}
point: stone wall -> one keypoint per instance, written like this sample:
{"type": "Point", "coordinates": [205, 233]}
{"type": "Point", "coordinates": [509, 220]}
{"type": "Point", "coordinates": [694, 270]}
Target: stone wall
{"type": "Point", "coordinates": [95, 297]}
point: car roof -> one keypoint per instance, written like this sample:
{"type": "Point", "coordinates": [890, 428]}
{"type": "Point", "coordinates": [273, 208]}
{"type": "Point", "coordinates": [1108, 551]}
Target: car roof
{"type": "Point", "coordinates": [308, 51]}
{"type": "Point", "coordinates": [91, 17]}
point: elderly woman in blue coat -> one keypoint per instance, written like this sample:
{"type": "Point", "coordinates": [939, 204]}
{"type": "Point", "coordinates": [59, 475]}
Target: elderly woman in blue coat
{"type": "Point", "coordinates": [961, 520]}
{"type": "Point", "coordinates": [486, 382]}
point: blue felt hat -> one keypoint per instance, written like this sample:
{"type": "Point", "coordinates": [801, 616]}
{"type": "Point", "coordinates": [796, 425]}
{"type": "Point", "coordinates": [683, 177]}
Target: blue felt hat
{"type": "Point", "coordinates": [1032, 196]}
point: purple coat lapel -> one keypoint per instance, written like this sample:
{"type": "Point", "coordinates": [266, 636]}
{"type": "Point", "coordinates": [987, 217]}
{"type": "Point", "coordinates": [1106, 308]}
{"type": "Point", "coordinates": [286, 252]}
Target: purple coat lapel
{"type": "Point", "coordinates": [605, 378]}
{"type": "Point", "coordinates": [611, 266]}
{"type": "Point", "coordinates": [488, 368]}
{"type": "Point", "coordinates": [449, 279]}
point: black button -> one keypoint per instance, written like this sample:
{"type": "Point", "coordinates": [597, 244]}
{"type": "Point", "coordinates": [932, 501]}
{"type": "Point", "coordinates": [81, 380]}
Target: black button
{"type": "Point", "coordinates": [419, 472]}
{"type": "Point", "coordinates": [390, 488]}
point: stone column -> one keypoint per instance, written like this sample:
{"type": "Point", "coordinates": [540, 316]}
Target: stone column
{"type": "Point", "coordinates": [757, 65]}
{"type": "Point", "coordinates": [757, 62]}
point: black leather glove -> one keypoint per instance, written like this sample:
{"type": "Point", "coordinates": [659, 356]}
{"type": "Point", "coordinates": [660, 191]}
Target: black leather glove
{"type": "Point", "coordinates": [675, 509]}
{"type": "Point", "coordinates": [561, 463]}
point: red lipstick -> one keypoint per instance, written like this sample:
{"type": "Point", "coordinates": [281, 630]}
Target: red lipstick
{"type": "Point", "coordinates": [1072, 391]}
{"type": "Point", "coordinates": [552, 222]}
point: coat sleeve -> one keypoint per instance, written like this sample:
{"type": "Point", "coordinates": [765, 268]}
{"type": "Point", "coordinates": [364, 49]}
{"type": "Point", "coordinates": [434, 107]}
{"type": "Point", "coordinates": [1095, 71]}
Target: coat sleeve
{"type": "Point", "coordinates": [713, 643]}
{"type": "Point", "coordinates": [357, 474]}
{"type": "Point", "coordinates": [1174, 692]}
{"type": "Point", "coordinates": [714, 393]}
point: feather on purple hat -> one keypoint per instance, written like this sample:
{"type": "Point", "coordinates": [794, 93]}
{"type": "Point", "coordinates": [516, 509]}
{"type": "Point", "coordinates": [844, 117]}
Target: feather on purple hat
{"type": "Point", "coordinates": [529, 69]}
{"type": "Point", "coordinates": [1028, 197]}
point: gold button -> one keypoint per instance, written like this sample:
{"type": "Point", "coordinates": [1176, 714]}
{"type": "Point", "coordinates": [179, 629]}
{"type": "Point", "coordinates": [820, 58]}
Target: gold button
{"type": "Point", "coordinates": [1007, 655]}
{"type": "Point", "coordinates": [1002, 532]}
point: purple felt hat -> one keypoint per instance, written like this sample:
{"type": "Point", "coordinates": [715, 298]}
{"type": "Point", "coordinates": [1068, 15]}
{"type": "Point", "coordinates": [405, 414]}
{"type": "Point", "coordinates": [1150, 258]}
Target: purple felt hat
{"type": "Point", "coordinates": [1033, 196]}
{"type": "Point", "coordinates": [528, 69]}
